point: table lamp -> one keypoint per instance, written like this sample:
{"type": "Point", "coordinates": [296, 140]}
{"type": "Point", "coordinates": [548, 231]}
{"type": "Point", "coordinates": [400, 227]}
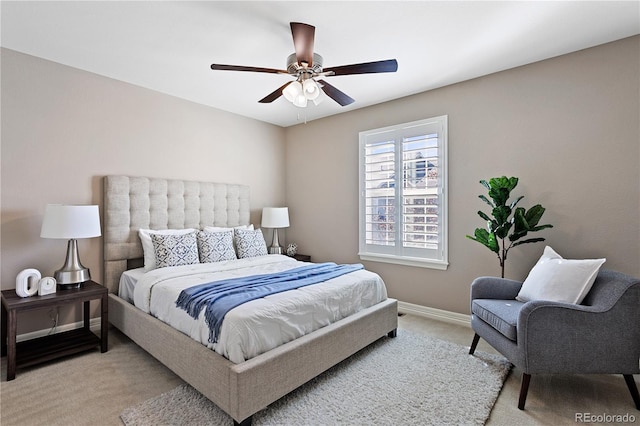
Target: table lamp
{"type": "Point", "coordinates": [275, 217]}
{"type": "Point", "coordinates": [71, 222]}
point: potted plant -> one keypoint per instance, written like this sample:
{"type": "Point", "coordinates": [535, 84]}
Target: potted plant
{"type": "Point", "coordinates": [508, 224]}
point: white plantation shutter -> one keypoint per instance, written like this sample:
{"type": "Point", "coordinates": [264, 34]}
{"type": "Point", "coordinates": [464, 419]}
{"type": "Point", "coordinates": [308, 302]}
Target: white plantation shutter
{"type": "Point", "coordinates": [403, 205]}
{"type": "Point", "coordinates": [380, 193]}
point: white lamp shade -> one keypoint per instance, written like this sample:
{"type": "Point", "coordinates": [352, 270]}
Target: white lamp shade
{"type": "Point", "coordinates": [275, 217]}
{"type": "Point", "coordinates": [70, 222]}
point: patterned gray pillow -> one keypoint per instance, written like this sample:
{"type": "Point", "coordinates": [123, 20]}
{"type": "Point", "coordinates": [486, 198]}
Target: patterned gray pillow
{"type": "Point", "coordinates": [216, 246]}
{"type": "Point", "coordinates": [175, 250]}
{"type": "Point", "coordinates": [249, 243]}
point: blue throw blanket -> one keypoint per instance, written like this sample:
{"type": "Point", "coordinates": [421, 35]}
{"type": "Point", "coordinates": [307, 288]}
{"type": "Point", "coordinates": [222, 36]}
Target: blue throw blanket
{"type": "Point", "coordinates": [220, 297]}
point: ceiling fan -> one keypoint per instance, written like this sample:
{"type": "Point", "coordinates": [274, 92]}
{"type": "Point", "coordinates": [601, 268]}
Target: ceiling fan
{"type": "Point", "coordinates": [306, 67]}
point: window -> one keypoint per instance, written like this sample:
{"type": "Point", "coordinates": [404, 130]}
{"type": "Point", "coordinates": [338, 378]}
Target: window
{"type": "Point", "coordinates": [403, 199]}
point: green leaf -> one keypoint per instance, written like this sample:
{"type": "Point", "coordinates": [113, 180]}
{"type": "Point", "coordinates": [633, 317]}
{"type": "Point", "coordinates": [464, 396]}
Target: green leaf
{"type": "Point", "coordinates": [501, 213]}
{"type": "Point", "coordinates": [486, 200]}
{"type": "Point", "coordinates": [499, 195]}
{"type": "Point", "coordinates": [530, 240]}
{"type": "Point", "coordinates": [539, 228]}
{"type": "Point", "coordinates": [534, 214]}
{"type": "Point", "coordinates": [504, 182]}
{"type": "Point", "coordinates": [484, 216]}
{"type": "Point", "coordinates": [513, 182]}
{"type": "Point", "coordinates": [520, 219]}
{"type": "Point", "coordinates": [521, 227]}
{"type": "Point", "coordinates": [503, 230]}
{"type": "Point", "coordinates": [517, 200]}
{"type": "Point", "coordinates": [526, 222]}
{"type": "Point", "coordinates": [493, 243]}
{"type": "Point", "coordinates": [485, 238]}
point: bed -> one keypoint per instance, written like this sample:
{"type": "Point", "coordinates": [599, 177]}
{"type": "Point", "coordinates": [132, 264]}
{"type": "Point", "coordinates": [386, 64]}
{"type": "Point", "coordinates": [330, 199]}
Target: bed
{"type": "Point", "coordinates": [240, 389]}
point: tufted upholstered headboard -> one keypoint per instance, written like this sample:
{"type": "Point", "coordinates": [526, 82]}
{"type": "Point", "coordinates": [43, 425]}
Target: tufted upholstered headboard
{"type": "Point", "coordinates": [132, 203]}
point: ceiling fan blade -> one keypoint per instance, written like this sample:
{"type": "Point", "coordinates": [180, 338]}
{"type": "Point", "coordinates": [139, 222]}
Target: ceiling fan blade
{"type": "Point", "coordinates": [274, 95]}
{"type": "Point", "coordinates": [303, 37]}
{"type": "Point", "coordinates": [243, 68]}
{"type": "Point", "coordinates": [389, 65]}
{"type": "Point", "coordinates": [340, 97]}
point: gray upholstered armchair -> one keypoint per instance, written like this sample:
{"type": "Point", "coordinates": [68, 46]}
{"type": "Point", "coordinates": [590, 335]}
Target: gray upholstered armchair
{"type": "Point", "coordinates": [601, 335]}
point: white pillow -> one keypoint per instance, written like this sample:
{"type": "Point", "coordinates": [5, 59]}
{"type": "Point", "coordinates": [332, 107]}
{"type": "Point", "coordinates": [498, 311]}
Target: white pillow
{"type": "Point", "coordinates": [559, 280]}
{"type": "Point", "coordinates": [223, 229]}
{"type": "Point", "coordinates": [147, 244]}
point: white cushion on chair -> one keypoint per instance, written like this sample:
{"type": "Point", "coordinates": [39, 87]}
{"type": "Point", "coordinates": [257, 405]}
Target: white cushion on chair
{"type": "Point", "coordinates": [560, 280]}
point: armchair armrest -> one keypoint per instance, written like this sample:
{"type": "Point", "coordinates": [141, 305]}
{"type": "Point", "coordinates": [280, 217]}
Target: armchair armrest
{"type": "Point", "coordinates": [494, 288]}
{"type": "Point", "coordinates": [567, 338]}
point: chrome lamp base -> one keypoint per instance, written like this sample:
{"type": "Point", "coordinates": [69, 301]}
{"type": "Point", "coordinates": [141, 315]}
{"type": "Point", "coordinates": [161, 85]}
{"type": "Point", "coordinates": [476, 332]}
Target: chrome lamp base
{"type": "Point", "coordinates": [73, 273]}
{"type": "Point", "coordinates": [275, 244]}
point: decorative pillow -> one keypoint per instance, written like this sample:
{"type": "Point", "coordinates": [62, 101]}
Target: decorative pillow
{"type": "Point", "coordinates": [223, 229]}
{"type": "Point", "coordinates": [249, 243]}
{"type": "Point", "coordinates": [175, 250]}
{"type": "Point", "coordinates": [147, 245]}
{"type": "Point", "coordinates": [216, 246]}
{"type": "Point", "coordinates": [559, 280]}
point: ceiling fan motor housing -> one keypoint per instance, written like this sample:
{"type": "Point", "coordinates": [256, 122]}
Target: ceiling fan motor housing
{"type": "Point", "coordinates": [296, 69]}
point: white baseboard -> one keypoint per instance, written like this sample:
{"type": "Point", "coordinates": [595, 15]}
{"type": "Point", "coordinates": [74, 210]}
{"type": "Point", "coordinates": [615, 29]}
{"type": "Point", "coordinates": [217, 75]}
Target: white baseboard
{"type": "Point", "coordinates": [433, 313]}
{"type": "Point", "coordinates": [94, 324]}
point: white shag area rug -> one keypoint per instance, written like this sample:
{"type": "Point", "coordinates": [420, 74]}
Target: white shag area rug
{"type": "Point", "coordinates": [410, 379]}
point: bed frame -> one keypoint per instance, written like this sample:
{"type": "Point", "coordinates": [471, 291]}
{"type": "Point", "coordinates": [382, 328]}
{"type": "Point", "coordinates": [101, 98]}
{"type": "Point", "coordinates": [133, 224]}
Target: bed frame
{"type": "Point", "coordinates": [241, 390]}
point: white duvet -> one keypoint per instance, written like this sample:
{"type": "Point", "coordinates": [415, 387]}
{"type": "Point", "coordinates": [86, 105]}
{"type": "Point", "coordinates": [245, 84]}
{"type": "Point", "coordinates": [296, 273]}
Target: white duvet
{"type": "Point", "coordinates": [263, 324]}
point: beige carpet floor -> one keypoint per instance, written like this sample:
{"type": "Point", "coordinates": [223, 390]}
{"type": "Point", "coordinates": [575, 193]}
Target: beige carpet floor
{"type": "Point", "coordinates": [94, 388]}
{"type": "Point", "coordinates": [394, 381]}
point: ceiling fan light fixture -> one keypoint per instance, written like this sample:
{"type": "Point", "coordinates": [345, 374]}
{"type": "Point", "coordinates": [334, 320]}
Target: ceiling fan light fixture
{"type": "Point", "coordinates": [300, 100]}
{"type": "Point", "coordinates": [301, 91]}
{"type": "Point", "coordinates": [292, 91]}
{"type": "Point", "coordinates": [311, 89]}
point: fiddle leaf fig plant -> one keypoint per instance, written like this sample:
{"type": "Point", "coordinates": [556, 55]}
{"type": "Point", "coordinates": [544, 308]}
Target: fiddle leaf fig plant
{"type": "Point", "coordinates": [507, 225]}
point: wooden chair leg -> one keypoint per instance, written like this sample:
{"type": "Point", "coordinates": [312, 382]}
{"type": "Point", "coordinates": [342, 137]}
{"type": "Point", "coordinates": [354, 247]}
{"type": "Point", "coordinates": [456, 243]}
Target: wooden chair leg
{"type": "Point", "coordinates": [476, 339]}
{"type": "Point", "coordinates": [524, 389]}
{"type": "Point", "coordinates": [631, 384]}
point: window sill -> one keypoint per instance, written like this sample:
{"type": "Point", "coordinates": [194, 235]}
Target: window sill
{"type": "Point", "coordinates": [407, 261]}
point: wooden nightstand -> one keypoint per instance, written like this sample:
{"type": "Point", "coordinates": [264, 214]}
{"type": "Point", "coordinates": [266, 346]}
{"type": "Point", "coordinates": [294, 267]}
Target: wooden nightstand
{"type": "Point", "coordinates": [34, 351]}
{"type": "Point", "coordinates": [302, 257]}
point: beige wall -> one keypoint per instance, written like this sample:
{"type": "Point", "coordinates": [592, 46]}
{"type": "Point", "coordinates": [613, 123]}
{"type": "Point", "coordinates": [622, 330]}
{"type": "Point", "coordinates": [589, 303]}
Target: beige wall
{"type": "Point", "coordinates": [568, 127]}
{"type": "Point", "coordinates": [63, 129]}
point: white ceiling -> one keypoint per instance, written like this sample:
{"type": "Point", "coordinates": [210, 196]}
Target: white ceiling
{"type": "Point", "coordinates": [169, 46]}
